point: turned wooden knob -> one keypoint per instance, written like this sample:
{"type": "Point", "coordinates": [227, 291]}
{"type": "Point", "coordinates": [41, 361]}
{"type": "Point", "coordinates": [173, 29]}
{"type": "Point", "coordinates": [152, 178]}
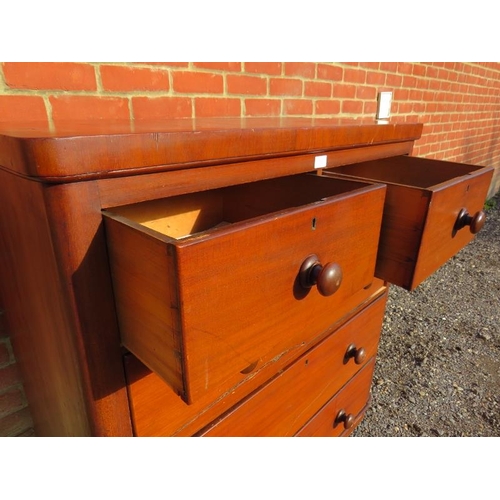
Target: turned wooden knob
{"type": "Point", "coordinates": [346, 418]}
{"type": "Point", "coordinates": [475, 222]}
{"type": "Point", "coordinates": [357, 353]}
{"type": "Point", "coordinates": [326, 278]}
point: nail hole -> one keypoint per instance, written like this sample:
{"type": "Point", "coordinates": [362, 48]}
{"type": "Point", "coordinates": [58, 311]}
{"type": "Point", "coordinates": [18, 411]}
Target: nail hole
{"type": "Point", "coordinates": [250, 368]}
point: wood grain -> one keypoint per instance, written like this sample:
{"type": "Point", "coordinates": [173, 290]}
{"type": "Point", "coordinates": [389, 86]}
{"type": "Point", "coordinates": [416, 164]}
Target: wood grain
{"type": "Point", "coordinates": [424, 198]}
{"type": "Point", "coordinates": [85, 150]}
{"type": "Point", "coordinates": [236, 301]}
{"type": "Point", "coordinates": [157, 411]}
{"type": "Point", "coordinates": [138, 188]}
{"type": "Point", "coordinates": [352, 399]}
{"type": "Point", "coordinates": [38, 312]}
{"type": "Point", "coordinates": [289, 400]}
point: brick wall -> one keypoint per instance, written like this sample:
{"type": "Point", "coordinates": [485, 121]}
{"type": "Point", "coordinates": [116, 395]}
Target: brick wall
{"type": "Point", "coordinates": [459, 103]}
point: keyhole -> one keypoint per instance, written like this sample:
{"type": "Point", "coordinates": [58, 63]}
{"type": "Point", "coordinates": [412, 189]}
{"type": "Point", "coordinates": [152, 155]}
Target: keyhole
{"type": "Point", "coordinates": [313, 224]}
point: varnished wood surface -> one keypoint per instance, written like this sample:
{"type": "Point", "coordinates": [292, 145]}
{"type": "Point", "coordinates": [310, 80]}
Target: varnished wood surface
{"type": "Point", "coordinates": [439, 240]}
{"type": "Point", "coordinates": [102, 149]}
{"type": "Point", "coordinates": [157, 411]}
{"type": "Point", "coordinates": [424, 198]}
{"type": "Point", "coordinates": [137, 188]}
{"type": "Point", "coordinates": [288, 401]}
{"type": "Point", "coordinates": [234, 300]}
{"type": "Point", "coordinates": [80, 250]}
{"type": "Point", "coordinates": [37, 312]}
{"type": "Point", "coordinates": [68, 343]}
{"type": "Point", "coordinates": [352, 399]}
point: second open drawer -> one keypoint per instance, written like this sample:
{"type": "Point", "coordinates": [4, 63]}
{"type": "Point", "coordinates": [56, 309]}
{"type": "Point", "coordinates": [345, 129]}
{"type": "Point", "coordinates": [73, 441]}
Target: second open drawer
{"type": "Point", "coordinates": [432, 209]}
{"type": "Point", "coordinates": [211, 286]}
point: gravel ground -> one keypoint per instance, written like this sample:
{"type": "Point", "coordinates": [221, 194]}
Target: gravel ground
{"type": "Point", "coordinates": [438, 366]}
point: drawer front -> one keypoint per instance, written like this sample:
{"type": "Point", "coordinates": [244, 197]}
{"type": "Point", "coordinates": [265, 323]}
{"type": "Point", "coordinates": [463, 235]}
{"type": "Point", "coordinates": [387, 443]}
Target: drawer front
{"type": "Point", "coordinates": [288, 401]}
{"type": "Point", "coordinates": [342, 413]}
{"type": "Point", "coordinates": [157, 411]}
{"type": "Point", "coordinates": [424, 199]}
{"type": "Point", "coordinates": [207, 310]}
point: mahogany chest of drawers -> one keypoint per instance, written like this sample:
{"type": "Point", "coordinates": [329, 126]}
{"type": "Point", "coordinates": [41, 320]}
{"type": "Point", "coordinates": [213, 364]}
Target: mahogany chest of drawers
{"type": "Point", "coordinates": [218, 278]}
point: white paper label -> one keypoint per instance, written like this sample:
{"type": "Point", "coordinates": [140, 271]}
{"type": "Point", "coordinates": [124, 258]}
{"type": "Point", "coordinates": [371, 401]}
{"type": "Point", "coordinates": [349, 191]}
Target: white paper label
{"type": "Point", "coordinates": [320, 161]}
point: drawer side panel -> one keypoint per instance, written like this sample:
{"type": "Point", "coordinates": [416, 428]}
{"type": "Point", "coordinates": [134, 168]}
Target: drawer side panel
{"type": "Point", "coordinates": [143, 270]}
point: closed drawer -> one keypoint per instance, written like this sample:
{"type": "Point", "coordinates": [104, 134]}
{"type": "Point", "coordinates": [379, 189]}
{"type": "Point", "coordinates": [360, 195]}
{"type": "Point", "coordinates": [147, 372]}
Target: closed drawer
{"type": "Point", "coordinates": [432, 210]}
{"type": "Point", "coordinates": [288, 401]}
{"type": "Point", "coordinates": [342, 413]}
{"type": "Point", "coordinates": [208, 287]}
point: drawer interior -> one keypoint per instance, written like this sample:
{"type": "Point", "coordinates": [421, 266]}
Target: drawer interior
{"type": "Point", "coordinates": [190, 214]}
{"type": "Point", "coordinates": [408, 171]}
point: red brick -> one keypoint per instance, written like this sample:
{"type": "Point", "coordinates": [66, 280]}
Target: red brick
{"type": "Point", "coordinates": [262, 107]}
{"type": "Point", "coordinates": [298, 107]}
{"type": "Point", "coordinates": [405, 107]}
{"type": "Point", "coordinates": [375, 78]}
{"type": "Point", "coordinates": [54, 76]}
{"type": "Point", "coordinates": [223, 66]}
{"type": "Point", "coordinates": [419, 69]}
{"type": "Point", "coordinates": [11, 401]}
{"type": "Point", "coordinates": [162, 107]}
{"type": "Point", "coordinates": [405, 68]}
{"type": "Point", "coordinates": [370, 65]}
{"type": "Point", "coordinates": [305, 69]}
{"type": "Point", "coordinates": [402, 94]}
{"type": "Point", "coordinates": [173, 64]}
{"type": "Point", "coordinates": [431, 107]}
{"type": "Point", "coordinates": [285, 86]}
{"type": "Point", "coordinates": [266, 68]}
{"type": "Point", "coordinates": [4, 353]}
{"type": "Point", "coordinates": [431, 72]}
{"type": "Point", "coordinates": [9, 376]}
{"type": "Point", "coordinates": [370, 108]}
{"type": "Point", "coordinates": [390, 67]}
{"type": "Point", "coordinates": [394, 80]}
{"type": "Point", "coordinates": [434, 84]}
{"type": "Point", "coordinates": [16, 424]}
{"type": "Point", "coordinates": [242, 84]}
{"type": "Point", "coordinates": [418, 107]}
{"type": "Point", "coordinates": [22, 108]}
{"type": "Point", "coordinates": [443, 74]}
{"type": "Point", "coordinates": [329, 72]}
{"type": "Point", "coordinates": [366, 92]}
{"type": "Point", "coordinates": [318, 89]}
{"type": "Point", "coordinates": [327, 107]}
{"type": "Point", "coordinates": [352, 107]}
{"type": "Point", "coordinates": [409, 82]}
{"type": "Point", "coordinates": [343, 90]}
{"type": "Point", "coordinates": [354, 75]}
{"type": "Point", "coordinates": [416, 95]}
{"type": "Point", "coordinates": [127, 78]}
{"type": "Point", "coordinates": [196, 82]}
{"type": "Point", "coordinates": [88, 108]}
{"type": "Point", "coordinates": [216, 107]}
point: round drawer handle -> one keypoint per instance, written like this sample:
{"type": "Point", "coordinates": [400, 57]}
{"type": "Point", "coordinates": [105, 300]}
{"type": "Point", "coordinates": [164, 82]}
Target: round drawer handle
{"type": "Point", "coordinates": [358, 353]}
{"type": "Point", "coordinates": [475, 222]}
{"type": "Point", "coordinates": [326, 278]}
{"type": "Point", "coordinates": [346, 418]}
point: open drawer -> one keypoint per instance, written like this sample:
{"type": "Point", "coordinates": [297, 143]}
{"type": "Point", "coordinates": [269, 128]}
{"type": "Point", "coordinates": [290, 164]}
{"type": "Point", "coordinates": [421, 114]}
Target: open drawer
{"type": "Point", "coordinates": [211, 286]}
{"type": "Point", "coordinates": [432, 209]}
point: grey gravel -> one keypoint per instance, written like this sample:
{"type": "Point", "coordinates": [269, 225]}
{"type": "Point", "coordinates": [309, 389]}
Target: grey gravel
{"type": "Point", "coordinates": [438, 365]}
